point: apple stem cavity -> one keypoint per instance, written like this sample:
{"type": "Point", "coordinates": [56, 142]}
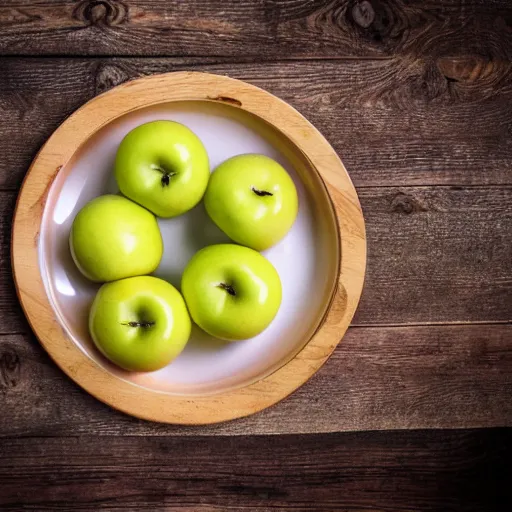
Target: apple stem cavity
{"type": "Point", "coordinates": [261, 193]}
{"type": "Point", "coordinates": [228, 288]}
{"type": "Point", "coordinates": [166, 175]}
{"type": "Point", "coordinates": [144, 325]}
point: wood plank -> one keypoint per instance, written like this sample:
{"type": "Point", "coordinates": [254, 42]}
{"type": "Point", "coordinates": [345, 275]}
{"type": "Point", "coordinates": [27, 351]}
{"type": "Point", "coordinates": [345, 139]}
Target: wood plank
{"type": "Point", "coordinates": [435, 254]}
{"type": "Point", "coordinates": [397, 122]}
{"type": "Point", "coordinates": [12, 319]}
{"type": "Point", "coordinates": [378, 378]}
{"type": "Point", "coordinates": [429, 471]}
{"type": "Point", "coordinates": [262, 29]}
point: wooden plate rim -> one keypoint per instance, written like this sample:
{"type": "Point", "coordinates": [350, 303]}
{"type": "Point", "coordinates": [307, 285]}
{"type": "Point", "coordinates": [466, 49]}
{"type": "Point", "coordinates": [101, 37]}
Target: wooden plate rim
{"type": "Point", "coordinates": [126, 396]}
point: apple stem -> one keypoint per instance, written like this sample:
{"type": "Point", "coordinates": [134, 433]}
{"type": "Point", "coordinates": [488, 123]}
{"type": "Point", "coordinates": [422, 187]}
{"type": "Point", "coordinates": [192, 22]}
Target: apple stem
{"type": "Point", "coordinates": [139, 324]}
{"type": "Point", "coordinates": [228, 288]}
{"type": "Point", "coordinates": [167, 175]}
{"type": "Point", "coordinates": [261, 193]}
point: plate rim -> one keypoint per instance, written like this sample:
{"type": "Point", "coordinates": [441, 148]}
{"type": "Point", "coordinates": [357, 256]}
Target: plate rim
{"type": "Point", "coordinates": [126, 396]}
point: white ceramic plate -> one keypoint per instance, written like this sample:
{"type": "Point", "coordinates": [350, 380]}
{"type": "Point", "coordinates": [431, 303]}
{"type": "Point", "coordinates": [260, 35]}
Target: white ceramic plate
{"type": "Point", "coordinates": [321, 261]}
{"type": "Point", "coordinates": [302, 258]}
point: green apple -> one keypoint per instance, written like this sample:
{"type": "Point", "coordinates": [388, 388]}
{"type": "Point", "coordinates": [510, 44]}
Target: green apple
{"type": "Point", "coordinates": [113, 238]}
{"type": "Point", "coordinates": [140, 323]}
{"type": "Point", "coordinates": [163, 166]}
{"type": "Point", "coordinates": [252, 199]}
{"type": "Point", "coordinates": [232, 292]}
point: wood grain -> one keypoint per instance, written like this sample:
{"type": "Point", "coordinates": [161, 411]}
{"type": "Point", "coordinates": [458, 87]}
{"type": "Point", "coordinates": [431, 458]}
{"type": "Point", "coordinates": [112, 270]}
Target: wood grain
{"type": "Point", "coordinates": [262, 29]}
{"type": "Point", "coordinates": [11, 315]}
{"type": "Point", "coordinates": [377, 379]}
{"type": "Point", "coordinates": [404, 121]}
{"type": "Point", "coordinates": [435, 254]}
{"type": "Point", "coordinates": [459, 471]}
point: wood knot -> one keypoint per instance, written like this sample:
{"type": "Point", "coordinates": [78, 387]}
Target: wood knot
{"type": "Point", "coordinates": [465, 69]}
{"type": "Point", "coordinates": [106, 13]}
{"type": "Point", "coordinates": [363, 13]}
{"type": "Point", "coordinates": [108, 76]}
{"type": "Point", "coordinates": [404, 203]}
{"type": "Point", "coordinates": [10, 367]}
{"type": "Point", "coordinates": [376, 20]}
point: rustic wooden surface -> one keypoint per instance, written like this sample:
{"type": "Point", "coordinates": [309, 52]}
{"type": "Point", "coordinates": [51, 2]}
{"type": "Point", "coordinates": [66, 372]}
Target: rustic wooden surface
{"type": "Point", "coordinates": [378, 378]}
{"type": "Point", "coordinates": [416, 97]}
{"type": "Point", "coordinates": [398, 121]}
{"type": "Point", "coordinates": [408, 470]}
{"type": "Point", "coordinates": [261, 29]}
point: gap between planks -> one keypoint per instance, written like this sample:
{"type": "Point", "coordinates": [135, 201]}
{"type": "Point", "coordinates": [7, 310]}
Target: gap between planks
{"type": "Point", "coordinates": [207, 58]}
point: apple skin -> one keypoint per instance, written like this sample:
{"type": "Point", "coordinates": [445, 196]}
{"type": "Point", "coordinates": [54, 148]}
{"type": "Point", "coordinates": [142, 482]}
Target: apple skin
{"type": "Point", "coordinates": [232, 292]}
{"type": "Point", "coordinates": [112, 238]}
{"type": "Point", "coordinates": [163, 166]}
{"type": "Point", "coordinates": [140, 324]}
{"type": "Point", "coordinates": [252, 199]}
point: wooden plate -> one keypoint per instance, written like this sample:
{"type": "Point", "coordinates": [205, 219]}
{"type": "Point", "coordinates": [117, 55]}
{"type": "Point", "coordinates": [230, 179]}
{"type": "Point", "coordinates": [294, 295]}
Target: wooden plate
{"type": "Point", "coordinates": [321, 262]}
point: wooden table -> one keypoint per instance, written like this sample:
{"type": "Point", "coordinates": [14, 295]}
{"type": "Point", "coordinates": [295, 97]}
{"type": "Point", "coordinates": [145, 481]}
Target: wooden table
{"type": "Point", "coordinates": [416, 97]}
